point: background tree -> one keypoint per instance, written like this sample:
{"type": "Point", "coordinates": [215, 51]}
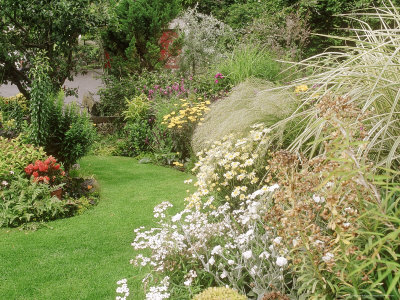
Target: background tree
{"type": "Point", "coordinates": [30, 26]}
{"type": "Point", "coordinates": [132, 37]}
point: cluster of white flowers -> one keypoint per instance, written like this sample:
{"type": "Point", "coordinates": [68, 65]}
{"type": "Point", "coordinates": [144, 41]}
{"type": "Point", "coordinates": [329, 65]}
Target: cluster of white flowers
{"type": "Point", "coordinates": [122, 289]}
{"type": "Point", "coordinates": [236, 250]}
{"type": "Point", "coordinates": [159, 292]}
{"type": "Point", "coordinates": [228, 241]}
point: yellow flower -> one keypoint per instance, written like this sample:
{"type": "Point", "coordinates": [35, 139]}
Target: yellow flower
{"type": "Point", "coordinates": [301, 88]}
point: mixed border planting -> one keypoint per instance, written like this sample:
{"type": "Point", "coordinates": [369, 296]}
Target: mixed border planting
{"type": "Point", "coordinates": [294, 146]}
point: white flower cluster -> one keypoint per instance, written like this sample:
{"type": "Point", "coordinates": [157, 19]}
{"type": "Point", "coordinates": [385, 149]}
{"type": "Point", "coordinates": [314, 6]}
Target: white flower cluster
{"type": "Point", "coordinates": [122, 289]}
{"type": "Point", "coordinates": [241, 248]}
{"type": "Point", "coordinates": [159, 292]}
{"type": "Point", "coordinates": [228, 241]}
{"type": "Point", "coordinates": [230, 165]}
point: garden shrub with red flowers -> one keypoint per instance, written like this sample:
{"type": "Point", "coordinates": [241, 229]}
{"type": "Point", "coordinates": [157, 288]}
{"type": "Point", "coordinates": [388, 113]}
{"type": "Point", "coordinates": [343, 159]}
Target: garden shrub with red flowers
{"type": "Point", "coordinates": [48, 171]}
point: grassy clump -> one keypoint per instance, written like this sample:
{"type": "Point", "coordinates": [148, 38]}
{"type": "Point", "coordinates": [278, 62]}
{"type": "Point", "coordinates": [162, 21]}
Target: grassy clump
{"type": "Point", "coordinates": [368, 74]}
{"type": "Point", "coordinates": [252, 101]}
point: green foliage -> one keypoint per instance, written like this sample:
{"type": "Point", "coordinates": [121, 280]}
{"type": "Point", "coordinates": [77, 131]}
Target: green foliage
{"type": "Point", "coordinates": [41, 93]}
{"type": "Point", "coordinates": [25, 201]}
{"type": "Point", "coordinates": [70, 131]}
{"type": "Point", "coordinates": [13, 110]}
{"type": "Point", "coordinates": [378, 240]}
{"type": "Point", "coordinates": [249, 61]}
{"type": "Point", "coordinates": [215, 293]}
{"type": "Point", "coordinates": [138, 137]}
{"type": "Point", "coordinates": [134, 33]}
{"type": "Point", "coordinates": [137, 108]}
{"type": "Point", "coordinates": [72, 135]}
{"type": "Point", "coordinates": [15, 156]}
{"type": "Point", "coordinates": [29, 25]}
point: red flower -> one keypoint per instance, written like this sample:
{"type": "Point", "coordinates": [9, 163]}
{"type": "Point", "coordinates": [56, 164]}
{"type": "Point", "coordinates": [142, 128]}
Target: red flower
{"type": "Point", "coordinates": [46, 178]}
{"type": "Point", "coordinates": [43, 167]}
{"type": "Point", "coordinates": [29, 169]}
{"type": "Point", "coordinates": [56, 167]}
{"type": "Point", "coordinates": [35, 174]}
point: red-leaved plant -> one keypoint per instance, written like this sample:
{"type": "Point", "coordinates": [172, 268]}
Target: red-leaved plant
{"type": "Point", "coordinates": [48, 171]}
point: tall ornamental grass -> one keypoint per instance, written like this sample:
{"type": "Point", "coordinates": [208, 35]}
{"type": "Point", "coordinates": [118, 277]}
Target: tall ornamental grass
{"type": "Point", "coordinates": [367, 72]}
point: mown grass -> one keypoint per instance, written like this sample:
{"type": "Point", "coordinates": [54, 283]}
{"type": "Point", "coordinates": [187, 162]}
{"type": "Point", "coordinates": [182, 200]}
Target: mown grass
{"type": "Point", "coordinates": [82, 257]}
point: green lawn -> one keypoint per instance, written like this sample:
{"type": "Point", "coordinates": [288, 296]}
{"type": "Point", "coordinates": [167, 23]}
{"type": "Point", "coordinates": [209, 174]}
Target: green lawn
{"type": "Point", "coordinates": [82, 257]}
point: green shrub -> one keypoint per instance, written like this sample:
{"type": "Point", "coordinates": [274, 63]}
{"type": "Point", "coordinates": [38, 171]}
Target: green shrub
{"type": "Point", "coordinates": [219, 293]}
{"type": "Point", "coordinates": [15, 156]}
{"type": "Point", "coordinates": [72, 132]}
{"type": "Point", "coordinates": [15, 110]}
{"type": "Point", "coordinates": [25, 201]}
{"type": "Point", "coordinates": [132, 38]}
{"type": "Point", "coordinates": [137, 107]}
{"type": "Point", "coordinates": [41, 93]}
{"type": "Point", "coordinates": [138, 137]}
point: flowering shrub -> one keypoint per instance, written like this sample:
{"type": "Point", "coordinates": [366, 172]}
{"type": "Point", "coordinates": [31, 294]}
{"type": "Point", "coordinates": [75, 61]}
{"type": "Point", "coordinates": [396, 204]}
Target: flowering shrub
{"type": "Point", "coordinates": [212, 241]}
{"type": "Point", "coordinates": [48, 171]}
{"type": "Point", "coordinates": [231, 168]}
{"type": "Point", "coordinates": [15, 155]}
{"type": "Point", "coordinates": [298, 230]}
{"type": "Point", "coordinates": [181, 123]}
{"type": "Point", "coordinates": [218, 77]}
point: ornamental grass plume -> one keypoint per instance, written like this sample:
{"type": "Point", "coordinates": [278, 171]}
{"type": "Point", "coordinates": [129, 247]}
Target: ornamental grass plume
{"type": "Point", "coordinates": [368, 72]}
{"type": "Point", "coordinates": [251, 102]}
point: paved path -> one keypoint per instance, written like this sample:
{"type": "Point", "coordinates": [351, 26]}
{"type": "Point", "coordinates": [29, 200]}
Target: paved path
{"type": "Point", "coordinates": [89, 82]}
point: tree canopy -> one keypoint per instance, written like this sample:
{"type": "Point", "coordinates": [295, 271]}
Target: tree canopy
{"type": "Point", "coordinates": [29, 26]}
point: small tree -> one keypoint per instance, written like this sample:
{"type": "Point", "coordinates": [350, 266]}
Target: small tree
{"type": "Point", "coordinates": [134, 33]}
{"type": "Point", "coordinates": [30, 26]}
{"type": "Point", "coordinates": [204, 39]}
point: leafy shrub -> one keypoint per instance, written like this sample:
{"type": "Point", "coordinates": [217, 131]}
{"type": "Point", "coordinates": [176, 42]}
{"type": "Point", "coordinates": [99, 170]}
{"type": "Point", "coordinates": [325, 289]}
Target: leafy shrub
{"type": "Point", "coordinates": [137, 108]}
{"type": "Point", "coordinates": [286, 34]}
{"type": "Point", "coordinates": [25, 201]}
{"type": "Point", "coordinates": [41, 93]}
{"type": "Point", "coordinates": [47, 171]}
{"type": "Point", "coordinates": [15, 156]}
{"type": "Point", "coordinates": [132, 38]}
{"type": "Point", "coordinates": [14, 110]}
{"type": "Point", "coordinates": [214, 293]}
{"type": "Point", "coordinates": [138, 137]}
{"type": "Point", "coordinates": [204, 40]}
{"type": "Point", "coordinates": [72, 132]}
